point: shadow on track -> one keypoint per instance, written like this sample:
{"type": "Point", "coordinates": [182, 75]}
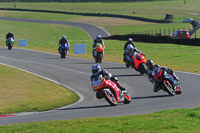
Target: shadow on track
{"type": "Point", "coordinates": [84, 63]}
{"type": "Point", "coordinates": [115, 68]}
{"type": "Point", "coordinates": [149, 97]}
{"type": "Point", "coordinates": [91, 107]}
{"type": "Point", "coordinates": [128, 75]}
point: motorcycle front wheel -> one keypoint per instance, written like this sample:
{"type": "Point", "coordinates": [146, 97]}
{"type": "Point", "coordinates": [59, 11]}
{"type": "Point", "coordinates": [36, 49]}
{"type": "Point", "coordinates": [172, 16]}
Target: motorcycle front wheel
{"type": "Point", "coordinates": [169, 87]}
{"type": "Point", "coordinates": [110, 97]}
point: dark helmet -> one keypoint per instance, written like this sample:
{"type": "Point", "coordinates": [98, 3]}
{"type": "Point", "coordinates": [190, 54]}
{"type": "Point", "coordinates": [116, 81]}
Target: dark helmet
{"type": "Point", "coordinates": [130, 39]}
{"type": "Point", "coordinates": [63, 36]}
{"type": "Point", "coordinates": [9, 32]}
{"type": "Point", "coordinates": [96, 69]}
{"type": "Point", "coordinates": [98, 36]}
{"type": "Point", "coordinates": [150, 64]}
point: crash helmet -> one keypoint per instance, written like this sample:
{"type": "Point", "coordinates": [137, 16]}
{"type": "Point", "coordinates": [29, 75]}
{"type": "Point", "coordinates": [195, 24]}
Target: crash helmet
{"type": "Point", "coordinates": [130, 39]}
{"type": "Point", "coordinates": [150, 64]}
{"type": "Point", "coordinates": [98, 36]}
{"type": "Point", "coordinates": [96, 69]}
{"type": "Point", "coordinates": [130, 48]}
{"type": "Point", "coordinates": [63, 36]}
{"type": "Point", "coordinates": [9, 32]}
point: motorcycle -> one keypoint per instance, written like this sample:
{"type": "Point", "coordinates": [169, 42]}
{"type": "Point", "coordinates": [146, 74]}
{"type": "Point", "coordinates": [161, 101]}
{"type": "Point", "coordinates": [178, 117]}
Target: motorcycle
{"type": "Point", "coordinates": [109, 90]}
{"type": "Point", "coordinates": [98, 53]}
{"type": "Point", "coordinates": [167, 82]}
{"type": "Point", "coordinates": [10, 43]}
{"type": "Point", "coordinates": [63, 49]}
{"type": "Point", "coordinates": [138, 62]}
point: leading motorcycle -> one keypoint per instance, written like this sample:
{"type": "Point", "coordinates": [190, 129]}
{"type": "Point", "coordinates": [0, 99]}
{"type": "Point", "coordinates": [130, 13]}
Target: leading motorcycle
{"type": "Point", "coordinates": [10, 43]}
{"type": "Point", "coordinates": [98, 53]}
{"type": "Point", "coordinates": [63, 49]}
{"type": "Point", "coordinates": [167, 82]}
{"type": "Point", "coordinates": [109, 90]}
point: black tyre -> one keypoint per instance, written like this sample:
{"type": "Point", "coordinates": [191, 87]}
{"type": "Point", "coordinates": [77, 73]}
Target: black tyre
{"type": "Point", "coordinates": [127, 98]}
{"type": "Point", "coordinates": [179, 91]}
{"type": "Point", "coordinates": [127, 64]}
{"type": "Point", "coordinates": [169, 87]}
{"type": "Point", "coordinates": [142, 68]}
{"type": "Point", "coordinates": [110, 97]}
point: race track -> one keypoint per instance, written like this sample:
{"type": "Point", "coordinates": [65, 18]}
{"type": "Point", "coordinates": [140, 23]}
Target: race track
{"type": "Point", "coordinates": [75, 74]}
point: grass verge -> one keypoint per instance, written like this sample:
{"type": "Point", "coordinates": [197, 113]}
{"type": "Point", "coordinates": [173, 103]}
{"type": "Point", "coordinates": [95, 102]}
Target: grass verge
{"type": "Point", "coordinates": [176, 120]}
{"type": "Point", "coordinates": [31, 93]}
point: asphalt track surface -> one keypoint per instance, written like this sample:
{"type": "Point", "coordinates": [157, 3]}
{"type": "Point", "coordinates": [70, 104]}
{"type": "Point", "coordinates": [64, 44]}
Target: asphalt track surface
{"type": "Point", "coordinates": [92, 30]}
{"type": "Point", "coordinates": [74, 73]}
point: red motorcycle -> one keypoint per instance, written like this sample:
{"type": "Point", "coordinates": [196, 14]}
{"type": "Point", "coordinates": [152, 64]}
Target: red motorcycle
{"type": "Point", "coordinates": [139, 62]}
{"type": "Point", "coordinates": [109, 90]}
{"type": "Point", "coordinates": [167, 82]}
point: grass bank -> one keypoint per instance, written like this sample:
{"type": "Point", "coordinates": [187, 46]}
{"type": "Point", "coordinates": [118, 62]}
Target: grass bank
{"type": "Point", "coordinates": [177, 120]}
{"type": "Point", "coordinates": [31, 93]}
{"type": "Point", "coordinates": [142, 9]}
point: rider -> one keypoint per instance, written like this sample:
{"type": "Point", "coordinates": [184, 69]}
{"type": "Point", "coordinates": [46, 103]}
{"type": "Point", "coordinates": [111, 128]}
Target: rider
{"type": "Point", "coordinates": [96, 71]}
{"type": "Point", "coordinates": [9, 35]}
{"type": "Point", "coordinates": [129, 42]}
{"type": "Point", "coordinates": [97, 40]}
{"type": "Point", "coordinates": [63, 41]}
{"type": "Point", "coordinates": [129, 52]}
{"type": "Point", "coordinates": [152, 69]}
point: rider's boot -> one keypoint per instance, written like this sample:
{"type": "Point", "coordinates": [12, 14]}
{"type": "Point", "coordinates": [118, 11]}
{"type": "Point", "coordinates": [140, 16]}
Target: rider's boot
{"type": "Point", "coordinates": [120, 87]}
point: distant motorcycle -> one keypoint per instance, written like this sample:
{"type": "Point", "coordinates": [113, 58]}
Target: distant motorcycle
{"type": "Point", "coordinates": [63, 49]}
{"type": "Point", "coordinates": [98, 53]}
{"type": "Point", "coordinates": [139, 62]}
{"type": "Point", "coordinates": [109, 90]}
{"type": "Point", "coordinates": [167, 82]}
{"type": "Point", "coordinates": [10, 43]}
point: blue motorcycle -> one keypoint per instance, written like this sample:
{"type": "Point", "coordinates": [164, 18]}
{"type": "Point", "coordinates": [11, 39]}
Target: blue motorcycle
{"type": "Point", "coordinates": [63, 48]}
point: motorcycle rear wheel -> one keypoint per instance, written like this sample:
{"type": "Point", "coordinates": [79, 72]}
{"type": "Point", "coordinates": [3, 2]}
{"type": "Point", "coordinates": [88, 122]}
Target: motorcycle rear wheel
{"type": "Point", "coordinates": [127, 64]}
{"type": "Point", "coordinates": [110, 97]}
{"type": "Point", "coordinates": [127, 98]}
{"type": "Point", "coordinates": [142, 68]}
{"type": "Point", "coordinates": [169, 87]}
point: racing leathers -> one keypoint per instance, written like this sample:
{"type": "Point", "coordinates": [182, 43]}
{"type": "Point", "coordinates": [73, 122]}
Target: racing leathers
{"type": "Point", "coordinates": [9, 35]}
{"type": "Point", "coordinates": [151, 74]}
{"type": "Point", "coordinates": [107, 76]}
{"type": "Point", "coordinates": [125, 49]}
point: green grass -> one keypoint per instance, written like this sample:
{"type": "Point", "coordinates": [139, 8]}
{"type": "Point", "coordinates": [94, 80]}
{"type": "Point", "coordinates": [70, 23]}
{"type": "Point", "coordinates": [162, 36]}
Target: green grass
{"type": "Point", "coordinates": [31, 93]}
{"type": "Point", "coordinates": [142, 9]}
{"type": "Point", "coordinates": [42, 36]}
{"type": "Point", "coordinates": [45, 37]}
{"type": "Point", "coordinates": [177, 120]}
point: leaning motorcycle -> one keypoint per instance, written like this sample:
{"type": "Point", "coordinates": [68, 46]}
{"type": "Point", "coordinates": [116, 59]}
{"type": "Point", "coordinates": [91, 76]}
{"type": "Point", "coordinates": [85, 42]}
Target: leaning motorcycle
{"type": "Point", "coordinates": [139, 62]}
{"type": "Point", "coordinates": [98, 53]}
{"type": "Point", "coordinates": [10, 43]}
{"type": "Point", "coordinates": [167, 82]}
{"type": "Point", "coordinates": [109, 90]}
{"type": "Point", "coordinates": [63, 49]}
